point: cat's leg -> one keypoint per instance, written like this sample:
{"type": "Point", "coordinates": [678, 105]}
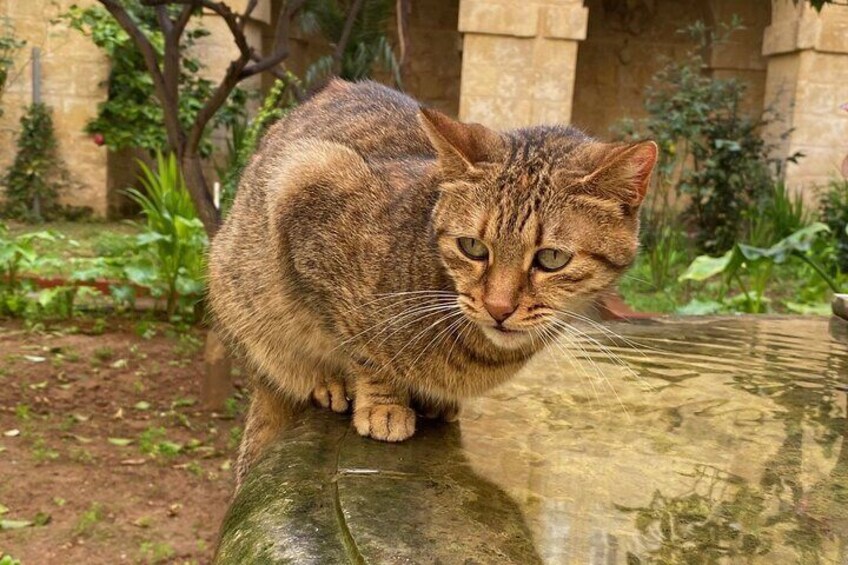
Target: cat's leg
{"type": "Point", "coordinates": [380, 411]}
{"type": "Point", "coordinates": [269, 413]}
{"type": "Point", "coordinates": [330, 392]}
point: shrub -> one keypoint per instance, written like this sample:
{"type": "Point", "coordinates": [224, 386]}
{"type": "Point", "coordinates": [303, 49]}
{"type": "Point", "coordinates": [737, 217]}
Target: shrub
{"type": "Point", "coordinates": [711, 150]}
{"type": "Point", "coordinates": [37, 175]}
{"type": "Point", "coordinates": [174, 236]}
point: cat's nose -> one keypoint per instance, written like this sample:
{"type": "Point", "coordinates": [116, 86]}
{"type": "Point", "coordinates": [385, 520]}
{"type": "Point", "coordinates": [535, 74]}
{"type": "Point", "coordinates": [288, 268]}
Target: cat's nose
{"type": "Point", "coordinates": [500, 310]}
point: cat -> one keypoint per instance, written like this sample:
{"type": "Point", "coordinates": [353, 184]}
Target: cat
{"type": "Point", "coordinates": [383, 252]}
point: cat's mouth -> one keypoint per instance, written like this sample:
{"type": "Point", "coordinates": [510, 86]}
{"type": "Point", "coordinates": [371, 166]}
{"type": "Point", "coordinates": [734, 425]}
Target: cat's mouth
{"type": "Point", "coordinates": [505, 337]}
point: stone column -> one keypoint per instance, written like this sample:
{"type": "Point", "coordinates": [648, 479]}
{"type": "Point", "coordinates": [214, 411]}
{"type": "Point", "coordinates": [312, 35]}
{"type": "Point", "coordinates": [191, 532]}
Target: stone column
{"type": "Point", "coordinates": [519, 60]}
{"type": "Point", "coordinates": [806, 82]}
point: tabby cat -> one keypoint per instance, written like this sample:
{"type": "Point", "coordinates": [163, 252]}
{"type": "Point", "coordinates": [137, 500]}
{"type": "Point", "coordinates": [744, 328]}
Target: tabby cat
{"type": "Point", "coordinates": [382, 252]}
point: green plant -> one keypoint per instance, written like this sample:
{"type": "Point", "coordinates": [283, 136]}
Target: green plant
{"type": "Point", "coordinates": [89, 519]}
{"type": "Point", "coordinates": [8, 46]}
{"type": "Point", "coordinates": [131, 116]}
{"type": "Point", "coordinates": [37, 175]}
{"type": "Point", "coordinates": [834, 213]}
{"type": "Point", "coordinates": [6, 559]}
{"type": "Point", "coordinates": [755, 265]}
{"type": "Point", "coordinates": [711, 150]}
{"type": "Point", "coordinates": [174, 236]}
{"type": "Point", "coordinates": [156, 551]}
{"type": "Point", "coordinates": [367, 43]}
{"type": "Point", "coordinates": [779, 214]}
{"type": "Point", "coordinates": [18, 254]}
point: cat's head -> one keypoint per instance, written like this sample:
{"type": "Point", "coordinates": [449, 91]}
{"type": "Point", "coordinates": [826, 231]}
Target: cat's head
{"type": "Point", "coordinates": [533, 223]}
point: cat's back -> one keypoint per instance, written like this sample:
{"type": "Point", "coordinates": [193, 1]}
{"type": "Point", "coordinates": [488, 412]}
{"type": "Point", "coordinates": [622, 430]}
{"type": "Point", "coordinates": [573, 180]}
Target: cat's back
{"type": "Point", "coordinates": [377, 122]}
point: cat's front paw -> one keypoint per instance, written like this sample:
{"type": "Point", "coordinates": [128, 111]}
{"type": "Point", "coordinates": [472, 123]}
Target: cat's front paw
{"type": "Point", "coordinates": [331, 393]}
{"type": "Point", "coordinates": [385, 422]}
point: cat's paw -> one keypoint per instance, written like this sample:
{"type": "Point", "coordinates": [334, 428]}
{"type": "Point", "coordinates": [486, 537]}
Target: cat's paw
{"type": "Point", "coordinates": [330, 393]}
{"type": "Point", "coordinates": [385, 422]}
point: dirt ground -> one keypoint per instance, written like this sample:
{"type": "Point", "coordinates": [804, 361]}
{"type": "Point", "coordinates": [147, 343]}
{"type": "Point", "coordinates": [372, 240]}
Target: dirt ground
{"type": "Point", "coordinates": [105, 454]}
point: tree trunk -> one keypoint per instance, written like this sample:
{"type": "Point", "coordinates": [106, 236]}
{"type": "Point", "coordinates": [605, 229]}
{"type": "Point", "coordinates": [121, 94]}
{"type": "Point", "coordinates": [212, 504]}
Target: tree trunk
{"type": "Point", "coordinates": [192, 168]}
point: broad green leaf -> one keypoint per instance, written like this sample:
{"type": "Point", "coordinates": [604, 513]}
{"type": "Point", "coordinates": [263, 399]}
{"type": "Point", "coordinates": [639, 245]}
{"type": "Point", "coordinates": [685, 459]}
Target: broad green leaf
{"type": "Point", "coordinates": [705, 267]}
{"type": "Point", "coordinates": [700, 308]}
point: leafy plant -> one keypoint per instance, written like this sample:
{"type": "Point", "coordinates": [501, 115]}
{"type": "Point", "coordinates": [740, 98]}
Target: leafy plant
{"type": "Point", "coordinates": [17, 254]}
{"type": "Point", "coordinates": [779, 214]}
{"type": "Point", "coordinates": [37, 175]}
{"type": "Point", "coordinates": [711, 150]}
{"type": "Point", "coordinates": [132, 117]}
{"type": "Point", "coordinates": [8, 46]}
{"type": "Point", "coordinates": [367, 45]}
{"type": "Point", "coordinates": [834, 213]}
{"type": "Point", "coordinates": [756, 265]}
{"type": "Point", "coordinates": [174, 236]}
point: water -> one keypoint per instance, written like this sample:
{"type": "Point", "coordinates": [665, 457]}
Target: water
{"type": "Point", "coordinates": [681, 441]}
{"type": "Point", "coordinates": [718, 440]}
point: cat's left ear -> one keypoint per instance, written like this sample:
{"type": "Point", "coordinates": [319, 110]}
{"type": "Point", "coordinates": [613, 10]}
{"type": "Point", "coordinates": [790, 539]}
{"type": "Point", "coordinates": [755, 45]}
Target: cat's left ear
{"type": "Point", "coordinates": [460, 146]}
{"type": "Point", "coordinates": [626, 172]}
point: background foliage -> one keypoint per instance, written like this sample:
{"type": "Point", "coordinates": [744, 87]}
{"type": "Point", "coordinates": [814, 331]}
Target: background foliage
{"type": "Point", "coordinates": [131, 117]}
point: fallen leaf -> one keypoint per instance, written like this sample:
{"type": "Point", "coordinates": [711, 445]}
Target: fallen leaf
{"type": "Point", "coordinates": [226, 465]}
{"type": "Point", "coordinates": [37, 386]}
{"type": "Point", "coordinates": [119, 441]}
{"type": "Point", "coordinates": [119, 364]}
{"type": "Point", "coordinates": [174, 509]}
{"type": "Point", "coordinates": [35, 358]}
{"type": "Point", "coordinates": [142, 405]}
{"type": "Point", "coordinates": [14, 524]}
{"type": "Point", "coordinates": [80, 417]}
{"type": "Point", "coordinates": [12, 433]}
{"type": "Point", "coordinates": [143, 522]}
{"type": "Point", "coordinates": [133, 461]}
{"type": "Point", "coordinates": [82, 439]}
{"type": "Point", "coordinates": [119, 415]}
{"type": "Point", "coordinates": [3, 509]}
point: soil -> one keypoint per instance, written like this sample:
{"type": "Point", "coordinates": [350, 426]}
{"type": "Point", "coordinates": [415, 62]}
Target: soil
{"type": "Point", "coordinates": [104, 447]}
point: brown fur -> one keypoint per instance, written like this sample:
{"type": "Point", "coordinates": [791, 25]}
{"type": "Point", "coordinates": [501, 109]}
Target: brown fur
{"type": "Point", "coordinates": [339, 261]}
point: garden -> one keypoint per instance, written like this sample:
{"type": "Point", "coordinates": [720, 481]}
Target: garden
{"type": "Point", "coordinates": [113, 440]}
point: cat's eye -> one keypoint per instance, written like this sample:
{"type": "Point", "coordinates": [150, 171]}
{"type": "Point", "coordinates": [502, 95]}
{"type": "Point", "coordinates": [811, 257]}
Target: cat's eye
{"type": "Point", "coordinates": [551, 260]}
{"type": "Point", "coordinates": [473, 248]}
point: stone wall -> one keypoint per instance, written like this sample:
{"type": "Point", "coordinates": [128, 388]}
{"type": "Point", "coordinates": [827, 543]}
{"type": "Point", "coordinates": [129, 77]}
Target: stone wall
{"type": "Point", "coordinates": [625, 47]}
{"type": "Point", "coordinates": [807, 57]}
{"type": "Point", "coordinates": [72, 78]}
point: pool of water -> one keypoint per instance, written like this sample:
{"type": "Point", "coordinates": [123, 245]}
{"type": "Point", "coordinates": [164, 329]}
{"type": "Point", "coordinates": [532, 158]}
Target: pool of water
{"type": "Point", "coordinates": [678, 441]}
{"type": "Point", "coordinates": [667, 441]}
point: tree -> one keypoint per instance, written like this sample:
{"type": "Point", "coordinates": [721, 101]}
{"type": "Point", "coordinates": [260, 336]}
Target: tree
{"type": "Point", "coordinates": [172, 17]}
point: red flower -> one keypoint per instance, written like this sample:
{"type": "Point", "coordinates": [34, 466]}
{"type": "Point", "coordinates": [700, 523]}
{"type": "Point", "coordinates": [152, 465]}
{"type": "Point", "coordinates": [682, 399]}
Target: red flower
{"type": "Point", "coordinates": [99, 139]}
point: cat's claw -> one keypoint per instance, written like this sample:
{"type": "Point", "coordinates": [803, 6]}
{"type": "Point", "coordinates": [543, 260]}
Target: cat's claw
{"type": "Point", "coordinates": [385, 422]}
{"type": "Point", "coordinates": [331, 394]}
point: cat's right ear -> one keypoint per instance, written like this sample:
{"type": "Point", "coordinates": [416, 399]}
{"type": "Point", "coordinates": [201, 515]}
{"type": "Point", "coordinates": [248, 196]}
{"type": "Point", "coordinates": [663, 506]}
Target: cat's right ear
{"type": "Point", "coordinates": [460, 147]}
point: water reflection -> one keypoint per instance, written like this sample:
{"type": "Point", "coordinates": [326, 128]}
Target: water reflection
{"type": "Point", "coordinates": [723, 441]}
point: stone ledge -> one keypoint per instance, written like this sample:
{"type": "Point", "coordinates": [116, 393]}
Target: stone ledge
{"type": "Point", "coordinates": [840, 305]}
{"type": "Point", "coordinates": [498, 19]}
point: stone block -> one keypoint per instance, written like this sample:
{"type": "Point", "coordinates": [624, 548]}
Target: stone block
{"type": "Point", "coordinates": [509, 53]}
{"type": "Point", "coordinates": [565, 22]}
{"type": "Point", "coordinates": [552, 112]}
{"type": "Point", "coordinates": [490, 80]}
{"type": "Point", "coordinates": [484, 17]}
{"type": "Point", "coordinates": [499, 113]}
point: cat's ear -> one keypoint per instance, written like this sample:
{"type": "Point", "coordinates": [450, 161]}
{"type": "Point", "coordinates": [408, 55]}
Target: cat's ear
{"type": "Point", "coordinates": [460, 146]}
{"type": "Point", "coordinates": [625, 172]}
